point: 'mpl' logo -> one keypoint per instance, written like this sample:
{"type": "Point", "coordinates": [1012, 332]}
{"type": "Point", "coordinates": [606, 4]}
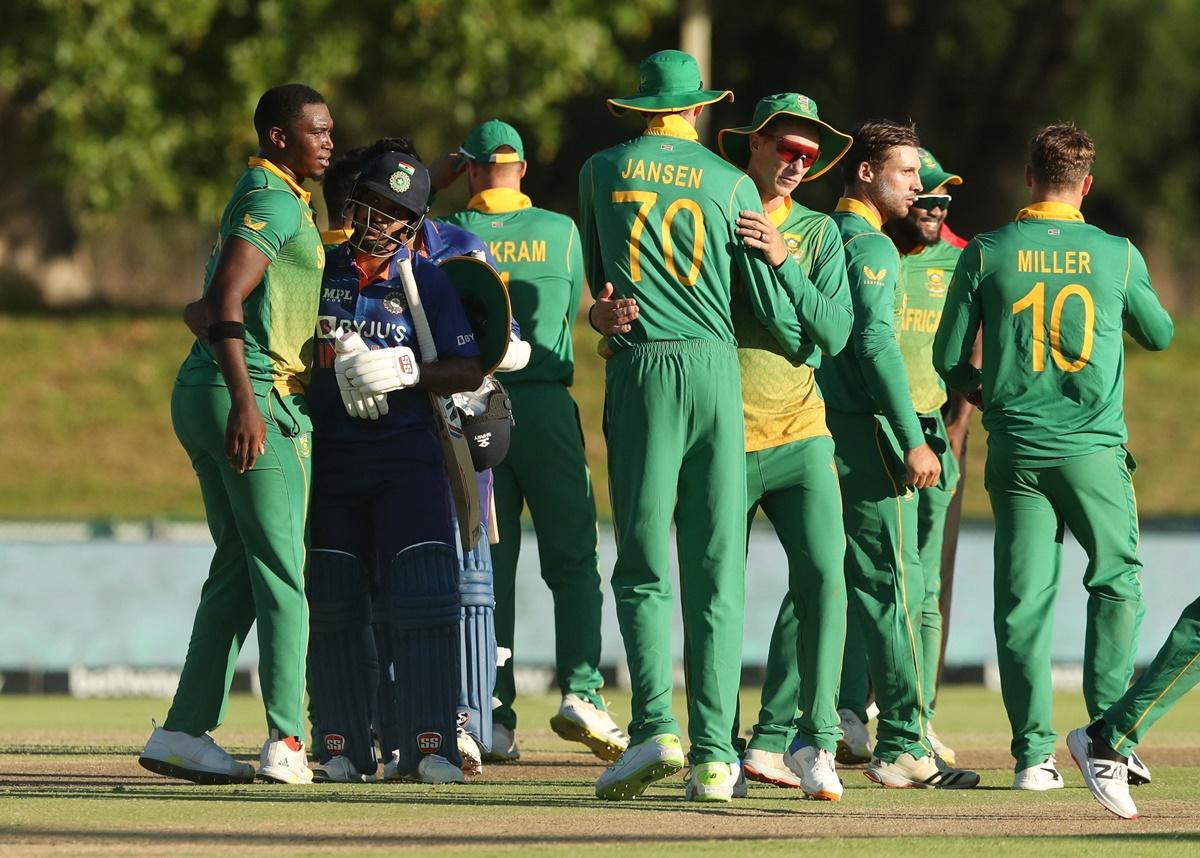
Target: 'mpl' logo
{"type": "Point", "coordinates": [335, 744]}
{"type": "Point", "coordinates": [429, 743]}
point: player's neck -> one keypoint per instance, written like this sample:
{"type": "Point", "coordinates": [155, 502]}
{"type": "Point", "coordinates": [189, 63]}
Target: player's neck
{"type": "Point", "coordinates": [1073, 199]}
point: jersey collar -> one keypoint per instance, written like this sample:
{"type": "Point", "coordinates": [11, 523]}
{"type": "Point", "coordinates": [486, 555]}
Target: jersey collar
{"type": "Point", "coordinates": [499, 201]}
{"type": "Point", "coordinates": [671, 125]}
{"type": "Point", "coordinates": [1050, 210]}
{"type": "Point", "coordinates": [849, 204]}
{"type": "Point", "coordinates": [271, 168]}
{"type": "Point", "coordinates": [336, 236]}
{"type": "Point", "coordinates": [780, 214]}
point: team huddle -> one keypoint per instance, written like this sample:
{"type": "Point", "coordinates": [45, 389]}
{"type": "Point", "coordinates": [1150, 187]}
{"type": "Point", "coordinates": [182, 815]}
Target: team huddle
{"type": "Point", "coordinates": [370, 409]}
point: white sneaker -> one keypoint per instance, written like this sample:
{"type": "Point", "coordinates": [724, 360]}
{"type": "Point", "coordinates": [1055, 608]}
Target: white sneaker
{"type": "Point", "coordinates": [939, 747]}
{"type": "Point", "coordinates": [641, 765]}
{"type": "Point", "coordinates": [193, 758]}
{"type": "Point", "coordinates": [339, 770]}
{"type": "Point", "coordinates": [1040, 778]}
{"type": "Point", "coordinates": [504, 745]}
{"type": "Point", "coordinates": [1107, 779]}
{"type": "Point", "coordinates": [1139, 772]}
{"type": "Point", "coordinates": [471, 753]}
{"type": "Point", "coordinates": [768, 768]}
{"type": "Point", "coordinates": [741, 789]}
{"type": "Point", "coordinates": [854, 747]}
{"type": "Point", "coordinates": [711, 782]}
{"type": "Point", "coordinates": [579, 720]}
{"type": "Point", "coordinates": [818, 775]}
{"type": "Point", "coordinates": [284, 761]}
{"type": "Point", "coordinates": [924, 773]}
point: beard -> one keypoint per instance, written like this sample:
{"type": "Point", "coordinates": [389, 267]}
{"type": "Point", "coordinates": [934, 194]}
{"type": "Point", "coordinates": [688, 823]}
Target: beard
{"type": "Point", "coordinates": [916, 234]}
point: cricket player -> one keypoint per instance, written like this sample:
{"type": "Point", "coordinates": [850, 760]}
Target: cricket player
{"type": "Point", "coordinates": [381, 503]}
{"type": "Point", "coordinates": [539, 256]}
{"type": "Point", "coordinates": [790, 471]}
{"type": "Point", "coordinates": [926, 263]}
{"type": "Point", "coordinates": [1053, 295]}
{"type": "Point", "coordinates": [883, 457]}
{"type": "Point", "coordinates": [239, 410]}
{"type": "Point", "coordinates": [1104, 749]}
{"type": "Point", "coordinates": [658, 220]}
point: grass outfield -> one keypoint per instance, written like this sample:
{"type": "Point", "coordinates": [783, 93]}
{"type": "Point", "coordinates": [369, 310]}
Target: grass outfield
{"type": "Point", "coordinates": [103, 390]}
{"type": "Point", "coordinates": [69, 782]}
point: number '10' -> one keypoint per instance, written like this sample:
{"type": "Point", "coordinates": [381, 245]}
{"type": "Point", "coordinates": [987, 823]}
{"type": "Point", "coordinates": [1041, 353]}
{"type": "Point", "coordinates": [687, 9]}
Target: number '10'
{"type": "Point", "coordinates": [1035, 301]}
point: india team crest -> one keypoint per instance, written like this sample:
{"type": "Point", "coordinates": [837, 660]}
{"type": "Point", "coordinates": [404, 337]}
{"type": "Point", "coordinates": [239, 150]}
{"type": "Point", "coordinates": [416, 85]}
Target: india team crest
{"type": "Point", "coordinates": [935, 282]}
{"type": "Point", "coordinates": [393, 302]}
{"type": "Point", "coordinates": [400, 181]}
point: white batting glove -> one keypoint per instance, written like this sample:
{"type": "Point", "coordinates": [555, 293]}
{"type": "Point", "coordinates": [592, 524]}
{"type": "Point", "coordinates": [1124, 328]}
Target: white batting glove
{"type": "Point", "coordinates": [357, 404]}
{"type": "Point", "coordinates": [380, 371]}
{"type": "Point", "coordinates": [516, 356]}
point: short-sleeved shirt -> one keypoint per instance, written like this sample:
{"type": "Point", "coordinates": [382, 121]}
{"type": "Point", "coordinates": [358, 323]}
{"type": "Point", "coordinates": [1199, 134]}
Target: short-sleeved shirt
{"type": "Point", "coordinates": [273, 213]}
{"type": "Point", "coordinates": [539, 258]}
{"type": "Point", "coordinates": [379, 312]}
{"type": "Point", "coordinates": [924, 279]}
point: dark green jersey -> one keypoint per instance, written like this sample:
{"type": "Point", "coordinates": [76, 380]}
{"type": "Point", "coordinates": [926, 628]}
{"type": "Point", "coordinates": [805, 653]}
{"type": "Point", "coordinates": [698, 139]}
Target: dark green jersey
{"type": "Point", "coordinates": [780, 401]}
{"type": "Point", "coordinates": [539, 257]}
{"type": "Point", "coordinates": [924, 278]}
{"type": "Point", "coordinates": [657, 218]}
{"type": "Point", "coordinates": [272, 212]}
{"type": "Point", "coordinates": [1053, 294]}
{"type": "Point", "coordinates": [868, 376]}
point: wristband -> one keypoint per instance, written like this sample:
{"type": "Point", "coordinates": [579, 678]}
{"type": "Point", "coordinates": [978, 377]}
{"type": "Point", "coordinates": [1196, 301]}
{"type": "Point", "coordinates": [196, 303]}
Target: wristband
{"type": "Point", "coordinates": [592, 324]}
{"type": "Point", "coordinates": [226, 331]}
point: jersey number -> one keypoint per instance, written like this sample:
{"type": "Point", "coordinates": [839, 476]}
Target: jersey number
{"type": "Point", "coordinates": [646, 201]}
{"type": "Point", "coordinates": [1035, 301]}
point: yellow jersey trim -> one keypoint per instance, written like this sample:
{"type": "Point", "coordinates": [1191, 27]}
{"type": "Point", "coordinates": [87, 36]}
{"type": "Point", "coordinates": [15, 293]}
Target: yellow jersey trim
{"type": "Point", "coordinates": [671, 125]}
{"type": "Point", "coordinates": [499, 201]}
{"type": "Point", "coordinates": [858, 207]}
{"type": "Point", "coordinates": [780, 214]}
{"type": "Point", "coordinates": [291, 183]}
{"type": "Point", "coordinates": [336, 236]}
{"type": "Point", "coordinates": [1050, 210]}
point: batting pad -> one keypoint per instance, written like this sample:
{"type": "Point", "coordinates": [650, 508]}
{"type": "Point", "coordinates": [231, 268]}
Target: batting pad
{"type": "Point", "coordinates": [420, 595]}
{"type": "Point", "coordinates": [342, 661]}
{"type": "Point", "coordinates": [477, 643]}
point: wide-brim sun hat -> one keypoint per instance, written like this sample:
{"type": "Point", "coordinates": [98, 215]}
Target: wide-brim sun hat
{"type": "Point", "coordinates": [668, 81]}
{"type": "Point", "coordinates": [734, 143]}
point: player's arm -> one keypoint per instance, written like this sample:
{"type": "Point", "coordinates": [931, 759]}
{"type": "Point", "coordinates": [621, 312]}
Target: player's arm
{"type": "Point", "coordinates": [874, 337]}
{"type": "Point", "coordinates": [954, 342]}
{"type": "Point", "coordinates": [589, 237]}
{"type": "Point", "coordinates": [1145, 318]}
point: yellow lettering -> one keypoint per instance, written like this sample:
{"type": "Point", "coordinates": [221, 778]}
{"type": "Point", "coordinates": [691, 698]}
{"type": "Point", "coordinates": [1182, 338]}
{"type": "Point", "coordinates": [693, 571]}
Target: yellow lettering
{"type": "Point", "coordinates": [1057, 269]}
{"type": "Point", "coordinates": [523, 253]}
{"type": "Point", "coordinates": [696, 176]}
{"type": "Point", "coordinates": [539, 251]}
{"type": "Point", "coordinates": [654, 172]}
{"type": "Point", "coordinates": [494, 248]}
{"type": "Point", "coordinates": [639, 172]}
{"type": "Point", "coordinates": [1085, 262]}
{"type": "Point", "coordinates": [627, 170]}
{"type": "Point", "coordinates": [681, 177]}
{"type": "Point", "coordinates": [1071, 260]}
{"type": "Point", "coordinates": [1025, 261]}
{"type": "Point", "coordinates": [510, 250]}
{"type": "Point", "coordinates": [668, 174]}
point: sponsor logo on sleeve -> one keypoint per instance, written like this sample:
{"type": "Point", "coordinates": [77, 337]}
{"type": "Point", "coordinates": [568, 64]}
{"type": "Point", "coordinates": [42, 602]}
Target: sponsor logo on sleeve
{"type": "Point", "coordinates": [256, 225]}
{"type": "Point", "coordinates": [874, 276]}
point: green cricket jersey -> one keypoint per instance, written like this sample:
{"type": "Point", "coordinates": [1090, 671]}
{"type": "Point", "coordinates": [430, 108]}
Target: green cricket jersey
{"type": "Point", "coordinates": [869, 377]}
{"type": "Point", "coordinates": [273, 213]}
{"type": "Point", "coordinates": [657, 219]}
{"type": "Point", "coordinates": [1053, 294]}
{"type": "Point", "coordinates": [539, 257]}
{"type": "Point", "coordinates": [924, 278]}
{"type": "Point", "coordinates": [780, 401]}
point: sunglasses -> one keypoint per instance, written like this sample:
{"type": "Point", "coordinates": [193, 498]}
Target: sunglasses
{"type": "Point", "coordinates": [790, 151]}
{"type": "Point", "coordinates": [929, 202]}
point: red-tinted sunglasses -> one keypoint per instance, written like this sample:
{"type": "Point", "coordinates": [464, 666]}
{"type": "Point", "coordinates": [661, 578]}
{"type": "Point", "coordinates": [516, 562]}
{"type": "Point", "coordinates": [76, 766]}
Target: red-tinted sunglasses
{"type": "Point", "coordinates": [791, 150]}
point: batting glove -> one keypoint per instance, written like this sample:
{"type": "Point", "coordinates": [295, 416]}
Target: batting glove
{"type": "Point", "coordinates": [380, 371]}
{"type": "Point", "coordinates": [516, 356]}
{"type": "Point", "coordinates": [357, 404]}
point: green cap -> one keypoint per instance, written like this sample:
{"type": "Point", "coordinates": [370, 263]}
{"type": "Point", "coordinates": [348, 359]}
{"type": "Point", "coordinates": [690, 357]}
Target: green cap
{"type": "Point", "coordinates": [933, 174]}
{"type": "Point", "coordinates": [485, 139]}
{"type": "Point", "coordinates": [668, 81]}
{"type": "Point", "coordinates": [485, 300]}
{"type": "Point", "coordinates": [734, 143]}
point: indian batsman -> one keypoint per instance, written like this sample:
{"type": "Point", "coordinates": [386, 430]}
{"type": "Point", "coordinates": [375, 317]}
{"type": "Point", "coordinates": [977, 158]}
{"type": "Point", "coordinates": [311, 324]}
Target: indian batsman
{"type": "Point", "coordinates": [926, 263]}
{"type": "Point", "coordinates": [539, 257]}
{"type": "Point", "coordinates": [239, 409]}
{"type": "Point", "coordinates": [790, 471]}
{"type": "Point", "coordinates": [883, 457]}
{"type": "Point", "coordinates": [1053, 295]}
{"type": "Point", "coordinates": [658, 220]}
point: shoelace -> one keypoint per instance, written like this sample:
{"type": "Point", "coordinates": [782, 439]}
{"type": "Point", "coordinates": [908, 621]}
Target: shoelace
{"type": "Point", "coordinates": [824, 762]}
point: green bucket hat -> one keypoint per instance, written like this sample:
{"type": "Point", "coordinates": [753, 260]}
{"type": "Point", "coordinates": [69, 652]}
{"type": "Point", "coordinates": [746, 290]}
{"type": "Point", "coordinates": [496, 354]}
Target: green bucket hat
{"type": "Point", "coordinates": [668, 81]}
{"type": "Point", "coordinates": [485, 300]}
{"type": "Point", "coordinates": [485, 139]}
{"type": "Point", "coordinates": [933, 174]}
{"type": "Point", "coordinates": [734, 143]}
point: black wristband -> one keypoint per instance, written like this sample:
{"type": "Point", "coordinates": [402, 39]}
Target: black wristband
{"type": "Point", "coordinates": [226, 331]}
{"type": "Point", "coordinates": [592, 324]}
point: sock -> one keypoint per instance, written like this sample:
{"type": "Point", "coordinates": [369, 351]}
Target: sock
{"type": "Point", "coordinates": [1099, 747]}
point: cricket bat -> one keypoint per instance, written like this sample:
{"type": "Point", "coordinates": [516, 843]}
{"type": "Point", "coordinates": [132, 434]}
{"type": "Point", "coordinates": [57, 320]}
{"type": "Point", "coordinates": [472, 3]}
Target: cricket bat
{"type": "Point", "coordinates": [457, 455]}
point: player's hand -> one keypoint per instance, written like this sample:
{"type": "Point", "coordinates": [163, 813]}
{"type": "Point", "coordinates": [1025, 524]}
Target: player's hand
{"type": "Point", "coordinates": [758, 232]}
{"type": "Point", "coordinates": [381, 370]}
{"type": "Point", "coordinates": [923, 467]}
{"type": "Point", "coordinates": [956, 434]}
{"type": "Point", "coordinates": [356, 403]}
{"type": "Point", "coordinates": [245, 435]}
{"type": "Point", "coordinates": [516, 356]}
{"type": "Point", "coordinates": [445, 169]}
{"type": "Point", "coordinates": [613, 317]}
